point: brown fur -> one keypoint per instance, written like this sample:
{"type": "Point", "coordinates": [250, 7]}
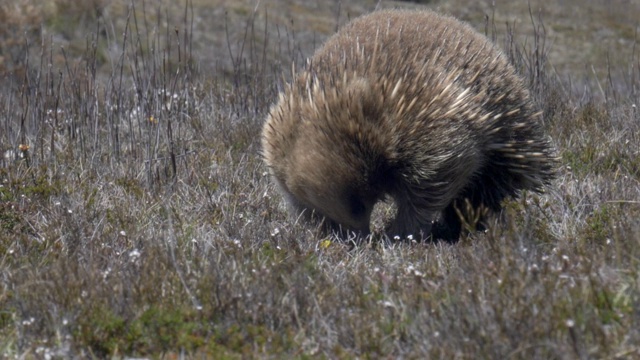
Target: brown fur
{"type": "Point", "coordinates": [407, 104]}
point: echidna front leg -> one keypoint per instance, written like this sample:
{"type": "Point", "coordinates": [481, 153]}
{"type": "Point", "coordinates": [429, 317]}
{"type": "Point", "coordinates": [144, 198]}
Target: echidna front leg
{"type": "Point", "coordinates": [410, 220]}
{"type": "Point", "coordinates": [449, 226]}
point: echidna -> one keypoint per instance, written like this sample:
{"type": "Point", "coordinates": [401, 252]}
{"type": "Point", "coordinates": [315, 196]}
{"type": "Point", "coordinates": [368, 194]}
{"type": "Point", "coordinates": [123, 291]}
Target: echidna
{"type": "Point", "coordinates": [408, 104]}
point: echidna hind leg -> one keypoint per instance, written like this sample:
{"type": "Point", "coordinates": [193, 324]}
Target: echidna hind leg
{"type": "Point", "coordinates": [481, 198]}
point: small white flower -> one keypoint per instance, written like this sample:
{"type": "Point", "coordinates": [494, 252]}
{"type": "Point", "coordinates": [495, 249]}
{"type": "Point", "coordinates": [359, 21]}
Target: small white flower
{"type": "Point", "coordinates": [9, 155]}
{"type": "Point", "coordinates": [106, 273]}
{"type": "Point", "coordinates": [123, 233]}
{"type": "Point", "coordinates": [570, 323]}
{"type": "Point", "coordinates": [134, 254]}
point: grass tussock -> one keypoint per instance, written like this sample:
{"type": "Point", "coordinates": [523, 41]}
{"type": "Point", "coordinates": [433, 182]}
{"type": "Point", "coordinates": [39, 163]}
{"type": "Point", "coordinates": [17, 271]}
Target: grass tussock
{"type": "Point", "coordinates": [136, 217]}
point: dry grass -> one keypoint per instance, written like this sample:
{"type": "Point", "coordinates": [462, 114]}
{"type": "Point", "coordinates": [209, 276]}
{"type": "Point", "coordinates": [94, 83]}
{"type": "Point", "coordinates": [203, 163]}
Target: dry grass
{"type": "Point", "coordinates": [136, 218]}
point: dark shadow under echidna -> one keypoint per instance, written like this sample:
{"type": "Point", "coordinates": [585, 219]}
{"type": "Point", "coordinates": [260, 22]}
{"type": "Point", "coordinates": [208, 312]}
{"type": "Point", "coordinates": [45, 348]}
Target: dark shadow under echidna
{"type": "Point", "coordinates": [412, 105]}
